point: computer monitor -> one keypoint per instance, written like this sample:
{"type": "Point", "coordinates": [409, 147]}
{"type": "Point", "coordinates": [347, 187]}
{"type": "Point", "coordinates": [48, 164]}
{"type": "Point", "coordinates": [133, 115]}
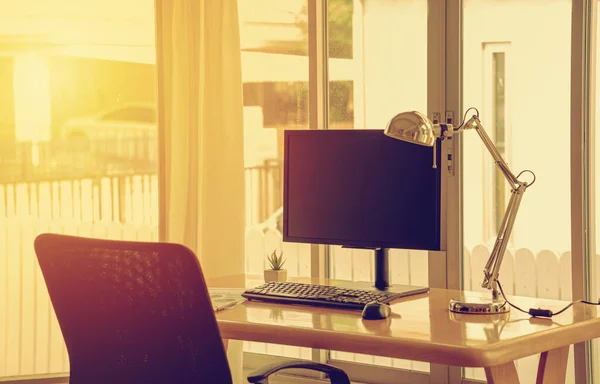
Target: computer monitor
{"type": "Point", "coordinates": [359, 188]}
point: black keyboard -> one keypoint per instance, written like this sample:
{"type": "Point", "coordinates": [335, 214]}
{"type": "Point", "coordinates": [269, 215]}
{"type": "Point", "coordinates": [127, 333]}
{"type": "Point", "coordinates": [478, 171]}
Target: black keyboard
{"type": "Point", "coordinates": [320, 295]}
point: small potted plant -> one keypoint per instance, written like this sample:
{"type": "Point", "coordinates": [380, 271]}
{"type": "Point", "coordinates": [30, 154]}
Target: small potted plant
{"type": "Point", "coordinates": [276, 273]}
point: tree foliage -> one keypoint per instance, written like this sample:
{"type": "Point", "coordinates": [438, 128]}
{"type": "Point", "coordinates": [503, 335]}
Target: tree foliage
{"type": "Point", "coordinates": [339, 15]}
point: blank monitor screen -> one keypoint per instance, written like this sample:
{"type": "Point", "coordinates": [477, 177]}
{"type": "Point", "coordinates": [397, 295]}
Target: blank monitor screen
{"type": "Point", "coordinates": [360, 188]}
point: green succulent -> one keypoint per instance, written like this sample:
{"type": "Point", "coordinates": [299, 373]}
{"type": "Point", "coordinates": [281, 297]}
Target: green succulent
{"type": "Point", "coordinates": [276, 262]}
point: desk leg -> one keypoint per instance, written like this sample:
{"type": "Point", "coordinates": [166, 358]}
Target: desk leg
{"type": "Point", "coordinates": [502, 374]}
{"type": "Point", "coordinates": [553, 366]}
{"type": "Point", "coordinates": [235, 355]}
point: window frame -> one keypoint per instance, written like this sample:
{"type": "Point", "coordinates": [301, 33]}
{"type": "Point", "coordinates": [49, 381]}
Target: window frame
{"type": "Point", "coordinates": [583, 56]}
{"type": "Point", "coordinates": [583, 27]}
{"type": "Point", "coordinates": [318, 119]}
{"type": "Point", "coordinates": [444, 97]}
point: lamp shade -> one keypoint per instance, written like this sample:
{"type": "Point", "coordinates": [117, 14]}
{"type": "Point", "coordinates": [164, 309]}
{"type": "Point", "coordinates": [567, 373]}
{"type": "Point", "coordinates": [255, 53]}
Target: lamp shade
{"type": "Point", "coordinates": [413, 127]}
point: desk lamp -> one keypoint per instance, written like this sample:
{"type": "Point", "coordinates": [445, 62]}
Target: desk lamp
{"type": "Point", "coordinates": [416, 128]}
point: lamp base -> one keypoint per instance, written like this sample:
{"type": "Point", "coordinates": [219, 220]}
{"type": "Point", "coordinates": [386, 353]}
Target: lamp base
{"type": "Point", "coordinates": [478, 305]}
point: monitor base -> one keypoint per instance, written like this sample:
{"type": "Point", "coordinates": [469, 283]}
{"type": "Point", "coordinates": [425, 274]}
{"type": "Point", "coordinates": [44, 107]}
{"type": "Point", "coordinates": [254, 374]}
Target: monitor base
{"type": "Point", "coordinates": [382, 278]}
{"type": "Point", "coordinates": [398, 290]}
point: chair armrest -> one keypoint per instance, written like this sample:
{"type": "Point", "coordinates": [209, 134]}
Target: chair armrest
{"type": "Point", "coordinates": [336, 375]}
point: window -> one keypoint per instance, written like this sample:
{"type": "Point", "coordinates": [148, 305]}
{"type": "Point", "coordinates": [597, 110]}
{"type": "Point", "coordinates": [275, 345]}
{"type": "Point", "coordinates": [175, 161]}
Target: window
{"type": "Point", "coordinates": [365, 72]}
{"type": "Point", "coordinates": [384, 57]}
{"type": "Point", "coordinates": [495, 117]}
{"type": "Point", "coordinates": [46, 185]}
{"type": "Point", "coordinates": [361, 94]}
{"type": "Point", "coordinates": [498, 113]}
{"type": "Point", "coordinates": [526, 74]}
{"type": "Point", "coordinates": [275, 85]}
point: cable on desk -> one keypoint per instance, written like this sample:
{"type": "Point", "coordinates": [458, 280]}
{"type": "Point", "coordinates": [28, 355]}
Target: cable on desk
{"type": "Point", "coordinates": [538, 312]}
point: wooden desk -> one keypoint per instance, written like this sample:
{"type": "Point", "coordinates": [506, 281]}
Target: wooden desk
{"type": "Point", "coordinates": [421, 328]}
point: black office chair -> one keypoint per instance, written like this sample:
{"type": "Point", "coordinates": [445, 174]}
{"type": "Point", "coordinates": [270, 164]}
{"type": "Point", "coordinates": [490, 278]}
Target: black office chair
{"type": "Point", "coordinates": [137, 312]}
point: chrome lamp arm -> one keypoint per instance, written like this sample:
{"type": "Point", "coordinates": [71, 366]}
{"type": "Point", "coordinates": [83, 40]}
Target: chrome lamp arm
{"type": "Point", "coordinates": [492, 267]}
{"type": "Point", "coordinates": [415, 127]}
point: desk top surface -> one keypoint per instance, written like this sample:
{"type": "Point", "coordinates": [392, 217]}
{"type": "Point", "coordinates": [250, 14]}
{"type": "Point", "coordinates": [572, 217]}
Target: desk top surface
{"type": "Point", "coordinates": [420, 328]}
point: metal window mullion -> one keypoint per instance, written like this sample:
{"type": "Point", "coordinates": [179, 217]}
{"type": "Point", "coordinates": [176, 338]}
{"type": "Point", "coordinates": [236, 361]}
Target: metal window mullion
{"type": "Point", "coordinates": [589, 167]}
{"type": "Point", "coordinates": [318, 109]}
{"type": "Point", "coordinates": [318, 64]}
{"type": "Point", "coordinates": [453, 102]}
{"type": "Point", "coordinates": [593, 368]}
{"type": "Point", "coordinates": [318, 99]}
{"type": "Point", "coordinates": [162, 9]}
{"type": "Point", "coordinates": [581, 150]}
{"type": "Point", "coordinates": [443, 94]}
{"type": "Point", "coordinates": [436, 88]}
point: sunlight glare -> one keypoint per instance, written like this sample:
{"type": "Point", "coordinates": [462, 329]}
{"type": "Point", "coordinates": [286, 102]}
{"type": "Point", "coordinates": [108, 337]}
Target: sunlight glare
{"type": "Point", "coordinates": [32, 97]}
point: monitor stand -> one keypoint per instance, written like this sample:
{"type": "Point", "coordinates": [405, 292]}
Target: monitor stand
{"type": "Point", "coordinates": [382, 278]}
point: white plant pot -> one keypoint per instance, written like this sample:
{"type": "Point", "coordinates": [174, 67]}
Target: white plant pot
{"type": "Point", "coordinates": [275, 275]}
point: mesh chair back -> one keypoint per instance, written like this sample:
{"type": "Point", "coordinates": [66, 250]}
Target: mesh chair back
{"type": "Point", "coordinates": [132, 312]}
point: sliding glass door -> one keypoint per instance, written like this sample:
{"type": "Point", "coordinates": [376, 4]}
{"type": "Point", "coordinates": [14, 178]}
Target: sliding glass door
{"type": "Point", "coordinates": [274, 51]}
{"type": "Point", "coordinates": [367, 73]}
{"type": "Point", "coordinates": [78, 144]}
{"type": "Point", "coordinates": [531, 70]}
{"type": "Point", "coordinates": [78, 151]}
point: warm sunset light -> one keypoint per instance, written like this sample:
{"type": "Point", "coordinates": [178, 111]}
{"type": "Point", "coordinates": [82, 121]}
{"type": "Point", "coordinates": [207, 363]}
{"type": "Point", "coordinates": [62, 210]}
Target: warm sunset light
{"type": "Point", "coordinates": [80, 140]}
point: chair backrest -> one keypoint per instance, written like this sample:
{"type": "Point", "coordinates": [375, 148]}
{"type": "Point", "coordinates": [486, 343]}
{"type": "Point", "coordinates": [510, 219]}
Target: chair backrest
{"type": "Point", "coordinates": [132, 312]}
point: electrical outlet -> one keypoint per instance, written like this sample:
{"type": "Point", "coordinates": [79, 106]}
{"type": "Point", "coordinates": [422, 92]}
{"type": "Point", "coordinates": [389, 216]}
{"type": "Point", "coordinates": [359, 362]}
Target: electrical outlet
{"type": "Point", "coordinates": [435, 117]}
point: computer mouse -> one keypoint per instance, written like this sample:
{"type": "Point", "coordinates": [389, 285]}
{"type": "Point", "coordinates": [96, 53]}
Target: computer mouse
{"type": "Point", "coordinates": [376, 311]}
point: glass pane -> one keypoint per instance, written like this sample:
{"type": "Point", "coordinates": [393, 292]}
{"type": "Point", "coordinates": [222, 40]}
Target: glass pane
{"type": "Point", "coordinates": [274, 45]}
{"type": "Point", "coordinates": [367, 76]}
{"type": "Point", "coordinates": [63, 168]}
{"type": "Point", "coordinates": [516, 68]}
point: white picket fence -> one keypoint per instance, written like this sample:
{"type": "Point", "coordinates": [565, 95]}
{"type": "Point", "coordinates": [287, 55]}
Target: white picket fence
{"type": "Point", "coordinates": [31, 342]}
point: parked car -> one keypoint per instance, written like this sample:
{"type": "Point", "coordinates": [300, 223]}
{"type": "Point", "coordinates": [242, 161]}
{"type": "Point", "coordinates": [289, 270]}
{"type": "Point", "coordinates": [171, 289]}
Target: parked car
{"type": "Point", "coordinates": [128, 133]}
{"type": "Point", "coordinates": [132, 120]}
{"type": "Point", "coordinates": [122, 136]}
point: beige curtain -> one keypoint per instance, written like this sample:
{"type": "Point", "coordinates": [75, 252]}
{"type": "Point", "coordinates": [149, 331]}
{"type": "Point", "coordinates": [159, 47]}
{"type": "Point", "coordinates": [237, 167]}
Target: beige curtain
{"type": "Point", "coordinates": [202, 160]}
{"type": "Point", "coordinates": [201, 155]}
